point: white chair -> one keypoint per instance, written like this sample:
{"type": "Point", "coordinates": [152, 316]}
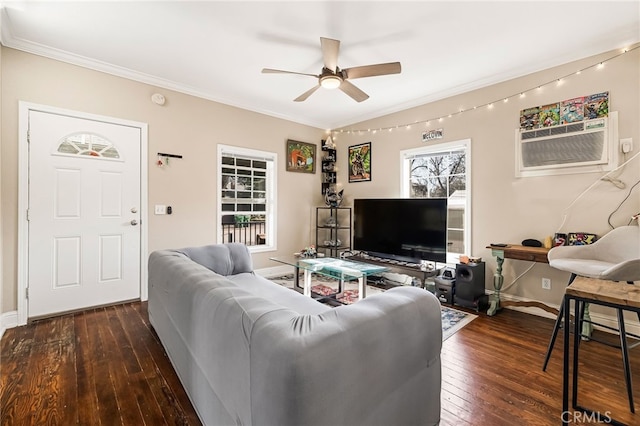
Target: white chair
{"type": "Point", "coordinates": [614, 257]}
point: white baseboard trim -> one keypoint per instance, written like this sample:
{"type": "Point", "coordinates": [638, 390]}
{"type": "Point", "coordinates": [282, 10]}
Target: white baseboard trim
{"type": "Point", "coordinates": [8, 320]}
{"type": "Point", "coordinates": [274, 271]}
{"type": "Point", "coordinates": [610, 320]}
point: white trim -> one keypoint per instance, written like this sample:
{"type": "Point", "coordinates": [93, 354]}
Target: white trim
{"type": "Point", "coordinates": [272, 184]}
{"type": "Point", "coordinates": [445, 146]}
{"type": "Point", "coordinates": [8, 320]}
{"type": "Point", "coordinates": [274, 271]}
{"type": "Point", "coordinates": [71, 58]}
{"type": "Point", "coordinates": [23, 195]}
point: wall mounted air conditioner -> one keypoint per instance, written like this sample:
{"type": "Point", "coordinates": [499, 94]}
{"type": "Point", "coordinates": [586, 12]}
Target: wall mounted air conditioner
{"type": "Point", "coordinates": [582, 147]}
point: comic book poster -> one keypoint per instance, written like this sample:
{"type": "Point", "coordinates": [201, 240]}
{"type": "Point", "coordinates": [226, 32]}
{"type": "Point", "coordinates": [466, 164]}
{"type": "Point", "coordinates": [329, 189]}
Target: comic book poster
{"type": "Point", "coordinates": [530, 118]}
{"type": "Point", "coordinates": [550, 115]}
{"type": "Point", "coordinates": [581, 238]}
{"type": "Point", "coordinates": [571, 110]}
{"type": "Point", "coordinates": [596, 106]}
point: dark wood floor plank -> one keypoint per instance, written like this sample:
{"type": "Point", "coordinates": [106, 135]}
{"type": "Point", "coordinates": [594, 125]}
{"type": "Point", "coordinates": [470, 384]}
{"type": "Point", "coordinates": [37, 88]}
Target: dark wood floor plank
{"type": "Point", "coordinates": [106, 366]}
{"type": "Point", "coordinates": [166, 380]}
{"type": "Point", "coordinates": [87, 397]}
{"type": "Point", "coordinates": [108, 411]}
{"type": "Point", "coordinates": [117, 366]}
{"type": "Point", "coordinates": [17, 344]}
{"type": "Point", "coordinates": [159, 396]}
{"type": "Point", "coordinates": [136, 381]}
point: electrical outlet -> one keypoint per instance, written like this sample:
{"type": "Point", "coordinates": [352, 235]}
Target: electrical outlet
{"type": "Point", "coordinates": [546, 283]}
{"type": "Point", "coordinates": [160, 209]}
{"type": "Point", "coordinates": [626, 145]}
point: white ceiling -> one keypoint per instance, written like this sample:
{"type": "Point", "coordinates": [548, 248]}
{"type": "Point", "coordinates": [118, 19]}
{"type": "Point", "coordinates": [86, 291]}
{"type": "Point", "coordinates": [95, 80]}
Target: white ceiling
{"type": "Point", "coordinates": [216, 50]}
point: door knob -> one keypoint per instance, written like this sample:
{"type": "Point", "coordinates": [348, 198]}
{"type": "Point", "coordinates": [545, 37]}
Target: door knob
{"type": "Point", "coordinates": [134, 222]}
{"type": "Point", "coordinates": [134, 210]}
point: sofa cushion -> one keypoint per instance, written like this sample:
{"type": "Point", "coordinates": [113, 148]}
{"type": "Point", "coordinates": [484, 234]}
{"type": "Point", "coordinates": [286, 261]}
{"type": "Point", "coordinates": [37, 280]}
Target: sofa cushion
{"type": "Point", "coordinates": [223, 259]}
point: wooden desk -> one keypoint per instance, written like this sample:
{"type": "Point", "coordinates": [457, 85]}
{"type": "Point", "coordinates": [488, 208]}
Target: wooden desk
{"type": "Point", "coordinates": [514, 251]}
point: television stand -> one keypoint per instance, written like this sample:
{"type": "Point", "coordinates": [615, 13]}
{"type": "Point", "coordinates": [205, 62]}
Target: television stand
{"type": "Point", "coordinates": [408, 268]}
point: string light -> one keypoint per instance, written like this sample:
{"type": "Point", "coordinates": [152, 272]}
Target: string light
{"type": "Point", "coordinates": [558, 81]}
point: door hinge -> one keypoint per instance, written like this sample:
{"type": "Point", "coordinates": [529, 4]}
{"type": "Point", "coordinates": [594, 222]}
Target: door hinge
{"type": "Point", "coordinates": [28, 216]}
{"type": "Point", "coordinates": [27, 292]}
{"type": "Point", "coordinates": [28, 136]}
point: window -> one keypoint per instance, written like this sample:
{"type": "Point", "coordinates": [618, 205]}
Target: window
{"type": "Point", "coordinates": [442, 170]}
{"type": "Point", "coordinates": [246, 194]}
{"type": "Point", "coordinates": [88, 145]}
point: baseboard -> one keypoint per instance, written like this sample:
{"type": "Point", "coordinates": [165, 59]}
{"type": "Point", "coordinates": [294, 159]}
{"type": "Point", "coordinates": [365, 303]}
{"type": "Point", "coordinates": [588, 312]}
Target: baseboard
{"type": "Point", "coordinates": [632, 326]}
{"type": "Point", "coordinates": [8, 320]}
{"type": "Point", "coordinates": [274, 271]}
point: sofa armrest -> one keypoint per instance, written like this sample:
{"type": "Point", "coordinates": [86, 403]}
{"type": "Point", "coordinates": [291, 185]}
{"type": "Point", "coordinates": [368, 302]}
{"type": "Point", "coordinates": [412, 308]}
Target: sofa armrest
{"type": "Point", "coordinates": [223, 259]}
{"type": "Point", "coordinates": [373, 362]}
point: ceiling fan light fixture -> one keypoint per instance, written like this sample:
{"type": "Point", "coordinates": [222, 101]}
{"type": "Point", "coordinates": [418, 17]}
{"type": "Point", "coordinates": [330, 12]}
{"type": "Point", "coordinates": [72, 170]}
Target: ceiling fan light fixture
{"type": "Point", "coordinates": [330, 81]}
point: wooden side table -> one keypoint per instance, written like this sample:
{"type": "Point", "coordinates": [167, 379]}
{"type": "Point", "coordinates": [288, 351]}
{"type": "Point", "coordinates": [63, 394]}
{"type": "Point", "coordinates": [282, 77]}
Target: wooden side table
{"type": "Point", "coordinates": [618, 295]}
{"type": "Point", "coordinates": [514, 251]}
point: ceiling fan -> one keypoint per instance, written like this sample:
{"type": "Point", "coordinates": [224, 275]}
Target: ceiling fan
{"type": "Point", "coordinates": [333, 77]}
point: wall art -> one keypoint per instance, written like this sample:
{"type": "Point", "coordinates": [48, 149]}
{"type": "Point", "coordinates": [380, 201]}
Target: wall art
{"type": "Point", "coordinates": [360, 162]}
{"type": "Point", "coordinates": [301, 157]}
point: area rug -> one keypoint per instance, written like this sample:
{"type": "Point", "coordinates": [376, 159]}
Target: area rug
{"type": "Point", "coordinates": [453, 320]}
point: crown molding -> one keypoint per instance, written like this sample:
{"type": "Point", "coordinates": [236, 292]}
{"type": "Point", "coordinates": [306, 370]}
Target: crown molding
{"type": "Point", "coordinates": [8, 40]}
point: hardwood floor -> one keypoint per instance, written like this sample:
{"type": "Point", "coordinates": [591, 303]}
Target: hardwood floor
{"type": "Point", "coordinates": [100, 367]}
{"type": "Point", "coordinates": [106, 366]}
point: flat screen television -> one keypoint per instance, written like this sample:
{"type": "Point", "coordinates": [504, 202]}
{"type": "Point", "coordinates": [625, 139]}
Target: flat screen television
{"type": "Point", "coordinates": [403, 229]}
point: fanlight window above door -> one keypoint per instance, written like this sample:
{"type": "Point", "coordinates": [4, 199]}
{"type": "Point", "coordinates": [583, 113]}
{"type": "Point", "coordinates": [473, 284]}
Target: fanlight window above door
{"type": "Point", "coordinates": [88, 145]}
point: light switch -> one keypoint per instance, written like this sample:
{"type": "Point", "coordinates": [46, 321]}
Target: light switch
{"type": "Point", "coordinates": [160, 209]}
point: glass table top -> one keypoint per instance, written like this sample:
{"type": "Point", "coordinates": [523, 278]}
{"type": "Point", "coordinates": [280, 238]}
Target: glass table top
{"type": "Point", "coordinates": [329, 266]}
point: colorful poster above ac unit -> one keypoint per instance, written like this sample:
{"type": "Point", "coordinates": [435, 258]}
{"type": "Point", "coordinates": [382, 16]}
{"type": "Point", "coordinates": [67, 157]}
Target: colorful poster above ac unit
{"type": "Point", "coordinates": [572, 110]}
{"type": "Point", "coordinates": [568, 111]}
{"type": "Point", "coordinates": [596, 106]}
{"type": "Point", "coordinates": [530, 118]}
{"type": "Point", "coordinates": [550, 115]}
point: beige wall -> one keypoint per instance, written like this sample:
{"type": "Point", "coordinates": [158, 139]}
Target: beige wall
{"type": "Point", "coordinates": [505, 208]}
{"type": "Point", "coordinates": [186, 125]}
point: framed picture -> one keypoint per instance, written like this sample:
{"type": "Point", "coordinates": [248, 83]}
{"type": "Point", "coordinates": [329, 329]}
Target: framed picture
{"type": "Point", "coordinates": [581, 238]}
{"type": "Point", "coordinates": [360, 162]}
{"type": "Point", "coordinates": [560, 240]}
{"type": "Point", "coordinates": [301, 157]}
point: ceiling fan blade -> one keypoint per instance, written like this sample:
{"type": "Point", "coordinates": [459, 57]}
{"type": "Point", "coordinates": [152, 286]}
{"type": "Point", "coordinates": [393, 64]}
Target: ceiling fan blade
{"type": "Point", "coordinates": [306, 94]}
{"type": "Point", "coordinates": [272, 71]}
{"type": "Point", "coordinates": [351, 90]}
{"type": "Point", "coordinates": [330, 48]}
{"type": "Point", "coordinates": [373, 70]}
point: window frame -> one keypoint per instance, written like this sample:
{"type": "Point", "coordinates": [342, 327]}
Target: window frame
{"type": "Point", "coordinates": [405, 187]}
{"type": "Point", "coordinates": [271, 195]}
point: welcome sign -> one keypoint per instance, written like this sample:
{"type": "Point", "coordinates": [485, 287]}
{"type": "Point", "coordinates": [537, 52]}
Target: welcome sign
{"type": "Point", "coordinates": [432, 134]}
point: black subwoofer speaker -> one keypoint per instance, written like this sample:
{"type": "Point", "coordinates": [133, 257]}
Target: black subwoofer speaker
{"type": "Point", "coordinates": [469, 284]}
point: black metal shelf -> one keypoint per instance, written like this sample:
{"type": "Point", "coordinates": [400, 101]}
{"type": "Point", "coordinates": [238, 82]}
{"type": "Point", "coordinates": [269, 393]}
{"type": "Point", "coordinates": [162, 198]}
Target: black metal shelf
{"type": "Point", "coordinates": [333, 233]}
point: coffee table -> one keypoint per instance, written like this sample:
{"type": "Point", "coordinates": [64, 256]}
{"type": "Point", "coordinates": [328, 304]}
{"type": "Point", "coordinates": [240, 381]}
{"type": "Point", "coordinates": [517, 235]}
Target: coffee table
{"type": "Point", "coordinates": [340, 269]}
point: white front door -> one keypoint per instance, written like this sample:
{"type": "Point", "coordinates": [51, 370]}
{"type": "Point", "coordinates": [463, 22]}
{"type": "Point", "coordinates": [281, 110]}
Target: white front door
{"type": "Point", "coordinates": [83, 214]}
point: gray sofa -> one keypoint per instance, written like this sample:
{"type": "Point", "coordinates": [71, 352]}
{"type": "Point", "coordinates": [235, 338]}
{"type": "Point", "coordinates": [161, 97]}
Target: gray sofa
{"type": "Point", "coordinates": [251, 352]}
